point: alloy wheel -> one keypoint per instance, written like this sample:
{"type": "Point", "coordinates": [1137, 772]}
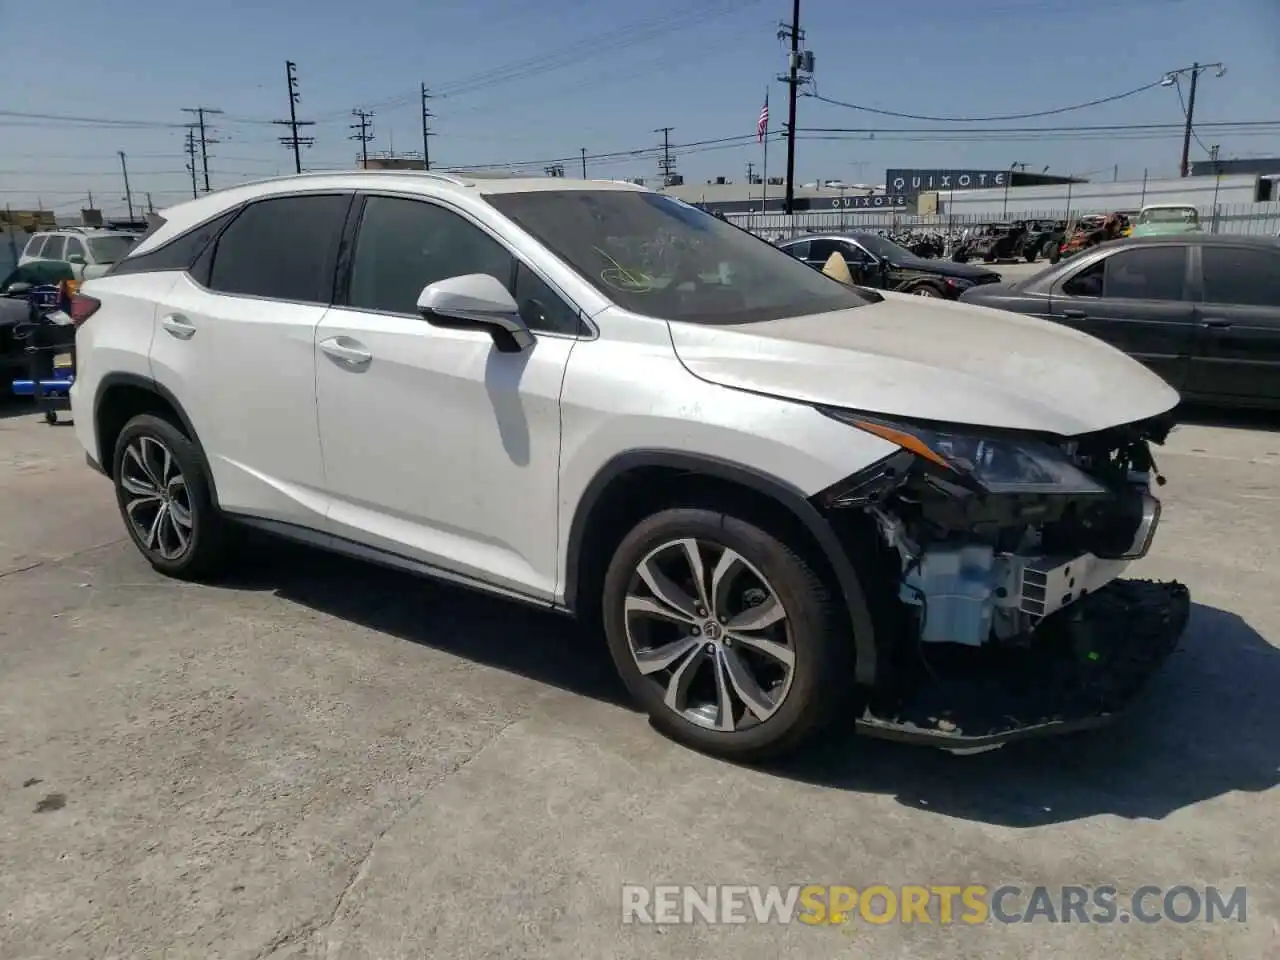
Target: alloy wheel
{"type": "Point", "coordinates": [157, 502]}
{"type": "Point", "coordinates": [708, 629]}
{"type": "Point", "coordinates": [925, 292]}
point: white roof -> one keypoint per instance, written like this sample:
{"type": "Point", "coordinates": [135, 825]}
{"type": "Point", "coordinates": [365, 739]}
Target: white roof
{"type": "Point", "coordinates": [462, 186]}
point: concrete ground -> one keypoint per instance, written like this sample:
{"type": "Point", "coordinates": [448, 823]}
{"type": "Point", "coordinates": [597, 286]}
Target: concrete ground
{"type": "Point", "coordinates": [322, 759]}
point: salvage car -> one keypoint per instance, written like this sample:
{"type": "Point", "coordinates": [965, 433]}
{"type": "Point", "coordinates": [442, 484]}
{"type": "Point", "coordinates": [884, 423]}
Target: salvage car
{"type": "Point", "coordinates": [779, 498]}
{"type": "Point", "coordinates": [878, 262]}
{"type": "Point", "coordinates": [996, 241]}
{"type": "Point", "coordinates": [1201, 310]}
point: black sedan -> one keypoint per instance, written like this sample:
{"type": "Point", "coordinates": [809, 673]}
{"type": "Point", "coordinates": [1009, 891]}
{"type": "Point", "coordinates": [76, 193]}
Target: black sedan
{"type": "Point", "coordinates": [1201, 310]}
{"type": "Point", "coordinates": [876, 261]}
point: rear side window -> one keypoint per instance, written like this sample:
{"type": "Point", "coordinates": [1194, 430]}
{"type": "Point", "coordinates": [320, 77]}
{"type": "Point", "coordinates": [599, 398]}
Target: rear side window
{"type": "Point", "coordinates": [281, 249]}
{"type": "Point", "coordinates": [34, 245]}
{"type": "Point", "coordinates": [180, 253]}
{"type": "Point", "coordinates": [53, 248]}
{"type": "Point", "coordinates": [1241, 276]}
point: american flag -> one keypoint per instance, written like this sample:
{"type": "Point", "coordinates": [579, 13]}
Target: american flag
{"type": "Point", "coordinates": [763, 123]}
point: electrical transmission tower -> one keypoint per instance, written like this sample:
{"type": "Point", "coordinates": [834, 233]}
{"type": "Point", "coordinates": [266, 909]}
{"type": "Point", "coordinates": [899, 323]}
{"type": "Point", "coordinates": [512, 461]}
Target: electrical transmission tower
{"type": "Point", "coordinates": [666, 163]}
{"type": "Point", "coordinates": [363, 128]}
{"type": "Point", "coordinates": [293, 123]}
{"type": "Point", "coordinates": [205, 139]}
{"type": "Point", "coordinates": [426, 129]}
{"type": "Point", "coordinates": [190, 150]}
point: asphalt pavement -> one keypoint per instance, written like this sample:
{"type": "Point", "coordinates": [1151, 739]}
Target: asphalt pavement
{"type": "Point", "coordinates": [323, 759]}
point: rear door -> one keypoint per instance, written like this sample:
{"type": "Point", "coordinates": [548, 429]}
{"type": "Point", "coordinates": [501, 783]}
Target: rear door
{"type": "Point", "coordinates": [234, 342]}
{"type": "Point", "coordinates": [1238, 319]}
{"type": "Point", "coordinates": [1136, 299]}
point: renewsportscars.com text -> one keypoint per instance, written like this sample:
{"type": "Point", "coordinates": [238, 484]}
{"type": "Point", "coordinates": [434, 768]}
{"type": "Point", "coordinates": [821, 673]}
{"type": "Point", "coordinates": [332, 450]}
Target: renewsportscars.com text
{"type": "Point", "coordinates": [817, 905]}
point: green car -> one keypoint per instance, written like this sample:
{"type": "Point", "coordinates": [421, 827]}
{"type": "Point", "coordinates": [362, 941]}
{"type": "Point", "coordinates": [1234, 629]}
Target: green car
{"type": "Point", "coordinates": [1160, 219]}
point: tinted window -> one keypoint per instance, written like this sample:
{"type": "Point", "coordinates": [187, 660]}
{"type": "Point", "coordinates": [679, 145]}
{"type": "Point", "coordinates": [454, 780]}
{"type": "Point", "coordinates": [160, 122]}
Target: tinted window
{"type": "Point", "coordinates": [1239, 275]}
{"type": "Point", "coordinates": [74, 248]}
{"type": "Point", "coordinates": [403, 245]}
{"type": "Point", "coordinates": [799, 249]}
{"type": "Point", "coordinates": [34, 245]}
{"type": "Point", "coordinates": [821, 250]}
{"type": "Point", "coordinates": [541, 307]}
{"type": "Point", "coordinates": [659, 257]}
{"type": "Point", "coordinates": [179, 253]}
{"type": "Point", "coordinates": [282, 249]}
{"type": "Point", "coordinates": [1155, 273]}
{"type": "Point", "coordinates": [53, 248]}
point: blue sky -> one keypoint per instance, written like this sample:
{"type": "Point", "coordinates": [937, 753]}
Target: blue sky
{"type": "Point", "coordinates": [532, 82]}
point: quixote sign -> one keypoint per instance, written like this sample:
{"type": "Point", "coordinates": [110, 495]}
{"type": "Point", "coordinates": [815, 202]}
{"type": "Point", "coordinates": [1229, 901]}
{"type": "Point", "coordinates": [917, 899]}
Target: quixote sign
{"type": "Point", "coordinates": [912, 182]}
{"type": "Point", "coordinates": [885, 202]}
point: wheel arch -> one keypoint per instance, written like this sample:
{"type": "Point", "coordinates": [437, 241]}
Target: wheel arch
{"type": "Point", "coordinates": [595, 527]}
{"type": "Point", "coordinates": [122, 396]}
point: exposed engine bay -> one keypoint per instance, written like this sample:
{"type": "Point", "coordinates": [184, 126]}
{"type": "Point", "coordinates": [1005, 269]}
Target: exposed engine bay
{"type": "Point", "coordinates": [999, 557]}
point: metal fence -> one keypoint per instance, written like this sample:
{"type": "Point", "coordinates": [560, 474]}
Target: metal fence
{"type": "Point", "coordinates": [1254, 219]}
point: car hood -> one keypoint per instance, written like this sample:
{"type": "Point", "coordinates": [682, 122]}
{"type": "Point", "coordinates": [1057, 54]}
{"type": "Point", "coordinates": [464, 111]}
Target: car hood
{"type": "Point", "coordinates": [927, 359]}
{"type": "Point", "coordinates": [945, 268]}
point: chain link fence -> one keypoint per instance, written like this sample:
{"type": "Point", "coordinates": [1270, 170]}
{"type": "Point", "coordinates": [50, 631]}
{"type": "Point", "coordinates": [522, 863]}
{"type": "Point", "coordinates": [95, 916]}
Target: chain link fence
{"type": "Point", "coordinates": [1251, 219]}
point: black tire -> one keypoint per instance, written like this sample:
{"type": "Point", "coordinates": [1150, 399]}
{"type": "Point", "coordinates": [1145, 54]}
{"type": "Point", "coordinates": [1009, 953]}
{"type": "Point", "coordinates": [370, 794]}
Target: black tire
{"type": "Point", "coordinates": [818, 632]}
{"type": "Point", "coordinates": [1055, 256]}
{"type": "Point", "coordinates": [1030, 256]}
{"type": "Point", "coordinates": [988, 258]}
{"type": "Point", "coordinates": [928, 289]}
{"type": "Point", "coordinates": [207, 542]}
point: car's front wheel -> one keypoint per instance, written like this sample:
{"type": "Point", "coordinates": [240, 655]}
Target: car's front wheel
{"type": "Point", "coordinates": [164, 498]}
{"type": "Point", "coordinates": [725, 635]}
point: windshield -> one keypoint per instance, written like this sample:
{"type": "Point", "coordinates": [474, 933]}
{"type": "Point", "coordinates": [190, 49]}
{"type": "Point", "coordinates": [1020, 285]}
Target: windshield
{"type": "Point", "coordinates": [111, 249]}
{"type": "Point", "coordinates": [883, 247]}
{"type": "Point", "coordinates": [657, 256]}
{"type": "Point", "coordinates": [1169, 215]}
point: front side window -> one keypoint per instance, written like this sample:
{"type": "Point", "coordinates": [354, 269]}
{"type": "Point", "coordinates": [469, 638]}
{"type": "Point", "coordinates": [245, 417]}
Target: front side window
{"type": "Point", "coordinates": [74, 249]}
{"type": "Point", "coordinates": [281, 249]}
{"type": "Point", "coordinates": [1238, 275]}
{"type": "Point", "coordinates": [53, 248]}
{"type": "Point", "coordinates": [1154, 273]}
{"type": "Point", "coordinates": [404, 245]}
{"type": "Point", "coordinates": [656, 256]}
{"type": "Point", "coordinates": [111, 249]}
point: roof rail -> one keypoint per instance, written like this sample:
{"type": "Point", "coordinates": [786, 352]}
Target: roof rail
{"type": "Point", "coordinates": [458, 179]}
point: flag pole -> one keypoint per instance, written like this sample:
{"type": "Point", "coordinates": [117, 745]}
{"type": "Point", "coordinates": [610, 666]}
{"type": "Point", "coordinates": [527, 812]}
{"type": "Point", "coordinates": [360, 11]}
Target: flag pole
{"type": "Point", "coordinates": [764, 165]}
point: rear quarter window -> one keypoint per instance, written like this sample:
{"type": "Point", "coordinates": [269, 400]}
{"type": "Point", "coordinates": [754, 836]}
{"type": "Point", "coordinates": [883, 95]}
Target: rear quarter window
{"type": "Point", "coordinates": [180, 253]}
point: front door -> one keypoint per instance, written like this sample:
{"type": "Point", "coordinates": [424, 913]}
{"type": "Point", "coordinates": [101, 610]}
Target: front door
{"type": "Point", "coordinates": [234, 339]}
{"type": "Point", "coordinates": [1239, 325]}
{"type": "Point", "coordinates": [439, 447]}
{"type": "Point", "coordinates": [1136, 299]}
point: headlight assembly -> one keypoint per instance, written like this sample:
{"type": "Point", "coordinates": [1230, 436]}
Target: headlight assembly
{"type": "Point", "coordinates": [998, 465]}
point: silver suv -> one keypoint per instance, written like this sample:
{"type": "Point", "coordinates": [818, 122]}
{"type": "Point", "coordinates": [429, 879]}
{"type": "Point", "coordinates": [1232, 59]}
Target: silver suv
{"type": "Point", "coordinates": [90, 252]}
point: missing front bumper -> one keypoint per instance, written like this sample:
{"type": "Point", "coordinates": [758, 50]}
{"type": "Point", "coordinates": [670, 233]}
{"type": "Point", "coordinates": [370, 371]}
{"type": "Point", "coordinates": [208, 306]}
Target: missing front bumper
{"type": "Point", "coordinates": [1088, 663]}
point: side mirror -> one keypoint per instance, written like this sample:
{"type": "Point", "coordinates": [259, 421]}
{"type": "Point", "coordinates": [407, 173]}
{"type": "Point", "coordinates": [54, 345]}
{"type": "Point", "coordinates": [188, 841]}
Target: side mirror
{"type": "Point", "coordinates": [17, 290]}
{"type": "Point", "coordinates": [480, 299]}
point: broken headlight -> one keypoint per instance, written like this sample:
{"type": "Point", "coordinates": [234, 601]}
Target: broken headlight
{"type": "Point", "coordinates": [996, 464]}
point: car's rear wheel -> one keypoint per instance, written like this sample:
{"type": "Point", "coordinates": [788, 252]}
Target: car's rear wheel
{"type": "Point", "coordinates": [926, 290]}
{"type": "Point", "coordinates": [163, 494]}
{"type": "Point", "coordinates": [727, 637]}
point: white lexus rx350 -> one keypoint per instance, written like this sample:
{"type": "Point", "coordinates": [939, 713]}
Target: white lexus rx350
{"type": "Point", "coordinates": [782, 499]}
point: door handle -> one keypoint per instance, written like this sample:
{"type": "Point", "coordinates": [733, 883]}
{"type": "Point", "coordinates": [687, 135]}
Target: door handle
{"type": "Point", "coordinates": [345, 350]}
{"type": "Point", "coordinates": [178, 326]}
{"type": "Point", "coordinates": [1075, 314]}
{"type": "Point", "coordinates": [1214, 323]}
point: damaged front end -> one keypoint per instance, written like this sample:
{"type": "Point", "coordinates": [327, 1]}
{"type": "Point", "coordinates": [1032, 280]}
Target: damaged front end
{"type": "Point", "coordinates": [991, 563]}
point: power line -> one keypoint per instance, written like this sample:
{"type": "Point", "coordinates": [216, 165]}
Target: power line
{"type": "Point", "coordinates": [293, 123]}
{"type": "Point", "coordinates": [97, 121]}
{"type": "Point", "coordinates": [1009, 116]}
{"type": "Point", "coordinates": [364, 133]}
{"type": "Point", "coordinates": [205, 139]}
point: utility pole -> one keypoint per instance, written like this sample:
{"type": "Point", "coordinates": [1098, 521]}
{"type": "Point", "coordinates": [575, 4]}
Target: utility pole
{"type": "Point", "coordinates": [1171, 80]}
{"type": "Point", "coordinates": [191, 160]}
{"type": "Point", "coordinates": [205, 140]}
{"type": "Point", "coordinates": [799, 62]}
{"type": "Point", "coordinates": [667, 164]}
{"type": "Point", "coordinates": [426, 129]}
{"type": "Point", "coordinates": [293, 123]}
{"type": "Point", "coordinates": [151, 207]}
{"type": "Point", "coordinates": [583, 150]}
{"type": "Point", "coordinates": [128, 195]}
{"type": "Point", "coordinates": [751, 172]}
{"type": "Point", "coordinates": [364, 133]}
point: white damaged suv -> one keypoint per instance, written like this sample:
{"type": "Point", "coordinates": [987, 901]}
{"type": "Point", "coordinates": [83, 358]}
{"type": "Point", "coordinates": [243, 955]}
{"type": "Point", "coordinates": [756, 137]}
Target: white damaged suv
{"type": "Point", "coordinates": [782, 498]}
